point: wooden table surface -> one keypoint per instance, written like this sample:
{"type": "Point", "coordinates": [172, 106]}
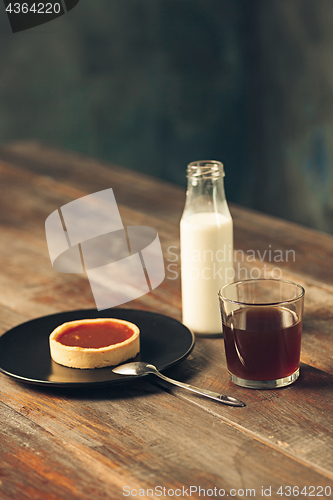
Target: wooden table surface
{"type": "Point", "coordinates": [146, 439]}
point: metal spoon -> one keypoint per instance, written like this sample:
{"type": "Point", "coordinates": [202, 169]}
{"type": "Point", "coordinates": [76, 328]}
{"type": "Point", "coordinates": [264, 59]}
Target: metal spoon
{"type": "Point", "coordinates": [141, 368]}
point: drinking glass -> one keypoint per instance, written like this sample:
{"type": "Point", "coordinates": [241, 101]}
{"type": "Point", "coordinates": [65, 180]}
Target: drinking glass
{"type": "Point", "coordinates": [262, 329]}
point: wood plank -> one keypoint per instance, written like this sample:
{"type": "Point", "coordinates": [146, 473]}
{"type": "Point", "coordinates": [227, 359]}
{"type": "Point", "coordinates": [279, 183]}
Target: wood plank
{"type": "Point", "coordinates": [36, 464]}
{"type": "Point", "coordinates": [23, 244]}
{"type": "Point", "coordinates": [309, 251]}
{"type": "Point", "coordinates": [76, 170]}
{"type": "Point", "coordinates": [191, 447]}
{"type": "Point", "coordinates": [253, 230]}
{"type": "Point", "coordinates": [281, 421]}
{"type": "Point", "coordinates": [150, 195]}
{"type": "Point", "coordinates": [296, 419]}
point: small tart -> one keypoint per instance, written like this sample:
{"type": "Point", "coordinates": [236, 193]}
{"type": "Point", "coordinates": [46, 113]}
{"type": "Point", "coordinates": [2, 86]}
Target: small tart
{"type": "Point", "coordinates": [94, 343]}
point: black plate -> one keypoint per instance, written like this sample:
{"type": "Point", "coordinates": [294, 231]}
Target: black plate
{"type": "Point", "coordinates": [25, 353]}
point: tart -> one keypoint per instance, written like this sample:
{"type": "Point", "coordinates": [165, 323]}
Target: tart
{"type": "Point", "coordinates": [94, 343]}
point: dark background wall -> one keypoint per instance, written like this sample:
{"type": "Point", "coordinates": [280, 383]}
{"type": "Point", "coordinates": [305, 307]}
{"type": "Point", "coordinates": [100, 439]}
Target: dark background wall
{"type": "Point", "coordinates": [155, 84]}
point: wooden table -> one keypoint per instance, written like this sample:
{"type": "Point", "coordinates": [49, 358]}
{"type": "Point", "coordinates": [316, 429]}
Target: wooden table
{"type": "Point", "coordinates": [136, 439]}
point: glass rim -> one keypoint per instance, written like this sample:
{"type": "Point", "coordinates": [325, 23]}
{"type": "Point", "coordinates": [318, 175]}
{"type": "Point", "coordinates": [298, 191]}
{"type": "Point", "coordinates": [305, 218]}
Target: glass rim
{"type": "Point", "coordinates": [240, 302]}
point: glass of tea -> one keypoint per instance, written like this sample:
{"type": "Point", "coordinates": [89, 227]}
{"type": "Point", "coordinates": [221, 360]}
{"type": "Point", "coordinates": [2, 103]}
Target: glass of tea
{"type": "Point", "coordinates": [262, 329]}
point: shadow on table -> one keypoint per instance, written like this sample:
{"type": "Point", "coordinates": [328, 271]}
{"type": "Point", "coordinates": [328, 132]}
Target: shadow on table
{"type": "Point", "coordinates": [313, 378]}
{"type": "Point", "coordinates": [129, 388]}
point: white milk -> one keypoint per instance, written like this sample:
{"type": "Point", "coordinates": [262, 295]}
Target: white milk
{"type": "Point", "coordinates": [206, 241]}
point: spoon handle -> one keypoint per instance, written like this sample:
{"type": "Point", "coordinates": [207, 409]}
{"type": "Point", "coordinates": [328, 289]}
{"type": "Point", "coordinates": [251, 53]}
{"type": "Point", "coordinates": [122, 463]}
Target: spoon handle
{"type": "Point", "coordinates": [227, 400]}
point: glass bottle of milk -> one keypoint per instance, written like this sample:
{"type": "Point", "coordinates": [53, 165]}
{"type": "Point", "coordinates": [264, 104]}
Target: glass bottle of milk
{"type": "Point", "coordinates": [206, 247]}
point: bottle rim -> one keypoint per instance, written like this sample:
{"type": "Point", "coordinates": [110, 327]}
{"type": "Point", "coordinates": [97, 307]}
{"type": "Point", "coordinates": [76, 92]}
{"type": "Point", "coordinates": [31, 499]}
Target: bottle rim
{"type": "Point", "coordinates": [205, 169]}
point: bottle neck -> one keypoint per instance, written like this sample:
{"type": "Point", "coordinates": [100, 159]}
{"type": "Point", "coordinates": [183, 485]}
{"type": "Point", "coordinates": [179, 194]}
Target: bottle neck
{"type": "Point", "coordinates": [205, 188]}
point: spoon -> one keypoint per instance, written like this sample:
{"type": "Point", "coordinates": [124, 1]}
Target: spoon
{"type": "Point", "coordinates": [141, 368]}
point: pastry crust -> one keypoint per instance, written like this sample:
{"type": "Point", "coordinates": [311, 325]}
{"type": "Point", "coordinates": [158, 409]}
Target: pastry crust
{"type": "Point", "coordinates": [83, 357]}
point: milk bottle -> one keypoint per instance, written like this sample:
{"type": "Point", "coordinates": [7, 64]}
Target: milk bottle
{"type": "Point", "coordinates": [206, 247]}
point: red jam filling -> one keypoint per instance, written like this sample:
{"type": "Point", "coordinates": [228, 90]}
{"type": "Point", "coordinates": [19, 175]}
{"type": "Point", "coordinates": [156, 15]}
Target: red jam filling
{"type": "Point", "coordinates": [96, 335]}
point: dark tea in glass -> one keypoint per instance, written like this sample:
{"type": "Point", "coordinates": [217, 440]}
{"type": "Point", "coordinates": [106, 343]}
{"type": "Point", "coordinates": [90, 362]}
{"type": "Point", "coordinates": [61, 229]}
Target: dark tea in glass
{"type": "Point", "coordinates": [262, 334]}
